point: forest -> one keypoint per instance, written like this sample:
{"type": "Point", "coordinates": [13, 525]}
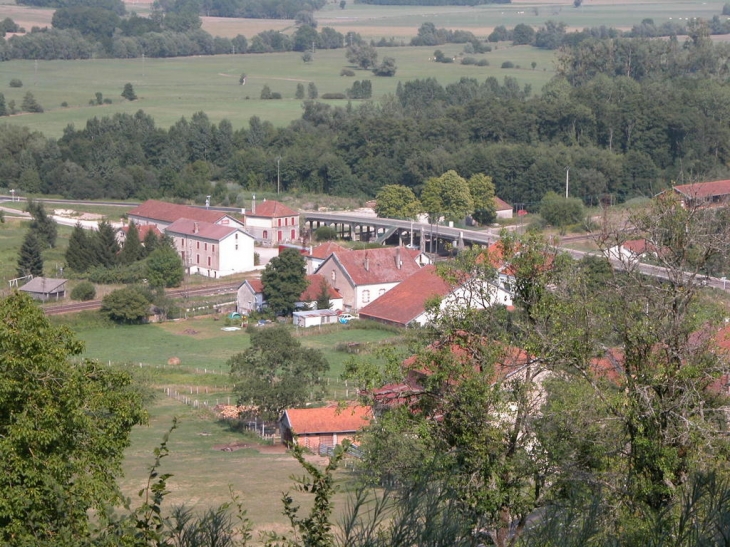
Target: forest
{"type": "Point", "coordinates": [627, 115]}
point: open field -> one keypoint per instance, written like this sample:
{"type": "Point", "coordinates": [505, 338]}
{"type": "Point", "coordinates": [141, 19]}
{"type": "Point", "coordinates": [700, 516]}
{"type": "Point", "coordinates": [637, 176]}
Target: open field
{"type": "Point", "coordinates": [171, 88]}
{"type": "Point", "coordinates": [202, 472]}
{"type": "Point", "coordinates": [12, 232]}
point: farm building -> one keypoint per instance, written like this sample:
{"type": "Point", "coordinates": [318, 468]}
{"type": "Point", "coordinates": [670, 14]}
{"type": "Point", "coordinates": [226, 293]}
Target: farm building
{"type": "Point", "coordinates": [328, 426]}
{"type": "Point", "coordinates": [45, 288]}
{"type": "Point", "coordinates": [314, 318]}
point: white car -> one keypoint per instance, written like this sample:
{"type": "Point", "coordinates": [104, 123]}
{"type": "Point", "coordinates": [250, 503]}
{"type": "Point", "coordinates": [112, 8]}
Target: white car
{"type": "Point", "coordinates": [346, 318]}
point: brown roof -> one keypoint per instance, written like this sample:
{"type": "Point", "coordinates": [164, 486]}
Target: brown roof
{"type": "Point", "coordinates": [256, 285]}
{"type": "Point", "coordinates": [328, 419]}
{"type": "Point", "coordinates": [170, 212]}
{"type": "Point", "coordinates": [311, 293]}
{"type": "Point", "coordinates": [501, 205]}
{"type": "Point", "coordinates": [372, 266]}
{"type": "Point", "coordinates": [702, 190]}
{"type": "Point", "coordinates": [202, 230]}
{"type": "Point", "coordinates": [143, 229]}
{"type": "Point", "coordinates": [405, 302]}
{"type": "Point", "coordinates": [272, 209]}
{"type": "Point", "coordinates": [326, 249]}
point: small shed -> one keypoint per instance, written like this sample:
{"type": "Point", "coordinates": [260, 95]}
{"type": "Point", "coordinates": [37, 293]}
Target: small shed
{"type": "Point", "coordinates": [45, 288]}
{"type": "Point", "coordinates": [328, 426]}
{"type": "Point", "coordinates": [314, 318]}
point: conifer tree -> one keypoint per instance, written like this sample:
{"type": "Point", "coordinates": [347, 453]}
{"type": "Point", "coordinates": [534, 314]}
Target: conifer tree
{"type": "Point", "coordinates": [132, 250]}
{"type": "Point", "coordinates": [79, 254]}
{"type": "Point", "coordinates": [151, 242]}
{"type": "Point", "coordinates": [105, 245]}
{"type": "Point", "coordinates": [30, 259]}
{"type": "Point", "coordinates": [43, 225]}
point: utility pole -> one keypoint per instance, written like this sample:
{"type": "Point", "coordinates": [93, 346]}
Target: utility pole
{"type": "Point", "coordinates": [278, 159]}
{"type": "Point", "coordinates": [567, 178]}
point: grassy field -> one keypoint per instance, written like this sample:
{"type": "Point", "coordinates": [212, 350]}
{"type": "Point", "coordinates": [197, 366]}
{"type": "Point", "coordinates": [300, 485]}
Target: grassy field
{"type": "Point", "coordinates": [202, 472]}
{"type": "Point", "coordinates": [171, 88]}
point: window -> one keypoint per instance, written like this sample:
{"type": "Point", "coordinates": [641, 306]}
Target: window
{"type": "Point", "coordinates": [279, 222]}
{"type": "Point", "coordinates": [266, 235]}
{"type": "Point", "coordinates": [334, 276]}
{"type": "Point", "coordinates": [236, 238]}
{"type": "Point", "coordinates": [286, 222]}
{"type": "Point", "coordinates": [381, 292]}
{"type": "Point", "coordinates": [366, 296]}
{"type": "Point", "coordinates": [197, 244]}
{"type": "Point", "coordinates": [236, 246]}
{"type": "Point", "coordinates": [197, 259]}
{"type": "Point", "coordinates": [209, 262]}
{"type": "Point", "coordinates": [212, 249]}
{"type": "Point", "coordinates": [281, 236]}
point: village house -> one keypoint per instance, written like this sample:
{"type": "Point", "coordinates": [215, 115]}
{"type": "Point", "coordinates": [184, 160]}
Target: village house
{"type": "Point", "coordinates": [317, 255]}
{"type": "Point", "coordinates": [405, 305]}
{"type": "Point", "coordinates": [316, 428]}
{"type": "Point", "coordinates": [162, 214]}
{"type": "Point", "coordinates": [210, 249]}
{"type": "Point", "coordinates": [141, 230]}
{"type": "Point", "coordinates": [45, 288]}
{"type": "Point", "coordinates": [704, 193]}
{"type": "Point", "coordinates": [504, 209]}
{"type": "Point", "coordinates": [271, 222]}
{"type": "Point", "coordinates": [363, 276]}
{"type": "Point", "coordinates": [250, 295]}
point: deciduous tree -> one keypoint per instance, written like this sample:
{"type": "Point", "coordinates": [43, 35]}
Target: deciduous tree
{"type": "Point", "coordinates": [284, 280]}
{"type": "Point", "coordinates": [482, 193]}
{"type": "Point", "coordinates": [165, 267]}
{"type": "Point", "coordinates": [448, 196]}
{"type": "Point", "coordinates": [396, 201]}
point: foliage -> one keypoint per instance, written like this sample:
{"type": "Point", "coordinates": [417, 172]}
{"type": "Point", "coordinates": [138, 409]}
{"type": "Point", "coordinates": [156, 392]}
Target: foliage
{"type": "Point", "coordinates": [128, 92]}
{"type": "Point", "coordinates": [363, 56]}
{"type": "Point", "coordinates": [63, 430]}
{"type": "Point", "coordinates": [127, 305]}
{"type": "Point", "coordinates": [79, 254]}
{"type": "Point", "coordinates": [165, 268]}
{"type": "Point", "coordinates": [284, 280]}
{"type": "Point", "coordinates": [105, 245]}
{"type": "Point", "coordinates": [312, 92]}
{"type": "Point", "coordinates": [559, 211]}
{"type": "Point", "coordinates": [325, 233]}
{"type": "Point", "coordinates": [482, 193]}
{"type": "Point", "coordinates": [29, 104]}
{"type": "Point", "coordinates": [448, 196]}
{"type": "Point", "coordinates": [30, 259]}
{"type": "Point", "coordinates": [323, 296]}
{"type": "Point", "coordinates": [396, 201]}
{"type": "Point", "coordinates": [386, 68]}
{"type": "Point", "coordinates": [15, 82]}
{"type": "Point", "coordinates": [132, 249]}
{"type": "Point", "coordinates": [43, 225]}
{"type": "Point", "coordinates": [299, 92]}
{"type": "Point", "coordinates": [84, 291]}
{"type": "Point", "coordinates": [276, 372]}
{"type": "Point", "coordinates": [360, 90]}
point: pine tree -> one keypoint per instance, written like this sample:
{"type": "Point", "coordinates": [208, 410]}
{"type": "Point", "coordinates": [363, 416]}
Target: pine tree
{"type": "Point", "coordinates": [30, 260]}
{"type": "Point", "coordinates": [151, 242]}
{"type": "Point", "coordinates": [79, 254]}
{"type": "Point", "coordinates": [43, 225]}
{"type": "Point", "coordinates": [105, 245]}
{"type": "Point", "coordinates": [128, 92]}
{"type": "Point", "coordinates": [132, 250]}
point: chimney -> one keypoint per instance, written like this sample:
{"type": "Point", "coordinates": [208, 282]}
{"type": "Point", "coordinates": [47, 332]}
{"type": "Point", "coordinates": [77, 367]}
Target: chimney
{"type": "Point", "coordinates": [253, 205]}
{"type": "Point", "coordinates": [398, 261]}
{"type": "Point", "coordinates": [196, 228]}
{"type": "Point", "coordinates": [367, 262]}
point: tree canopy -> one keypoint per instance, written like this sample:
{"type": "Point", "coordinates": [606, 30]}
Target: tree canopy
{"type": "Point", "coordinates": [397, 201]}
{"type": "Point", "coordinates": [284, 280]}
{"type": "Point", "coordinates": [448, 195]}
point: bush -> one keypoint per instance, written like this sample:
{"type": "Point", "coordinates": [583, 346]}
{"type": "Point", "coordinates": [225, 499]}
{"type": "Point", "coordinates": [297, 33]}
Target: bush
{"type": "Point", "coordinates": [133, 273]}
{"type": "Point", "coordinates": [83, 292]}
{"type": "Point", "coordinates": [257, 259]}
{"type": "Point", "coordinates": [483, 62]}
{"type": "Point", "coordinates": [127, 305]}
{"type": "Point", "coordinates": [468, 61]}
{"type": "Point", "coordinates": [508, 64]}
{"type": "Point", "coordinates": [333, 96]}
{"type": "Point", "coordinates": [276, 95]}
{"type": "Point", "coordinates": [15, 82]}
{"type": "Point", "coordinates": [347, 72]}
{"type": "Point", "coordinates": [64, 104]}
{"type": "Point", "coordinates": [325, 233]}
{"type": "Point", "coordinates": [107, 101]}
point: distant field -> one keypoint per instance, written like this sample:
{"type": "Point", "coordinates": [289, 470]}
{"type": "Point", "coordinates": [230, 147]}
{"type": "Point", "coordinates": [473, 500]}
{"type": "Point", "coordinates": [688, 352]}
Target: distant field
{"type": "Point", "coordinates": [171, 88]}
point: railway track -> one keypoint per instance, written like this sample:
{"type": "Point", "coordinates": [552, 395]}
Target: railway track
{"type": "Point", "coordinates": [207, 290]}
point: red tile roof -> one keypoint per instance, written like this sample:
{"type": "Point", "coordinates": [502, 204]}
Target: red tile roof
{"type": "Point", "coordinates": [636, 246]}
{"type": "Point", "coordinates": [256, 285]}
{"type": "Point", "coordinates": [202, 230]}
{"type": "Point", "coordinates": [170, 212]}
{"type": "Point", "coordinates": [143, 229]}
{"type": "Point", "coordinates": [326, 249]}
{"type": "Point", "coordinates": [272, 209]}
{"type": "Point", "coordinates": [501, 204]}
{"type": "Point", "coordinates": [403, 303]}
{"type": "Point", "coordinates": [703, 190]}
{"type": "Point", "coordinates": [328, 420]}
{"type": "Point", "coordinates": [373, 266]}
{"type": "Point", "coordinates": [311, 293]}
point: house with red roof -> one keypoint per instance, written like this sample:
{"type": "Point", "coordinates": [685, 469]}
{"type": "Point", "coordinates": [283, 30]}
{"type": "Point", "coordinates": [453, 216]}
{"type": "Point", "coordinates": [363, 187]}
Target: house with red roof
{"type": "Point", "coordinates": [162, 214]}
{"type": "Point", "coordinates": [250, 295]}
{"type": "Point", "coordinates": [631, 251]}
{"type": "Point", "coordinates": [704, 193]}
{"type": "Point", "coordinates": [363, 276]}
{"type": "Point", "coordinates": [142, 231]}
{"type": "Point", "coordinates": [212, 250]}
{"type": "Point", "coordinates": [317, 255]}
{"type": "Point", "coordinates": [271, 222]}
{"type": "Point", "coordinates": [405, 305]}
{"type": "Point", "coordinates": [323, 427]}
{"type": "Point", "coordinates": [504, 209]}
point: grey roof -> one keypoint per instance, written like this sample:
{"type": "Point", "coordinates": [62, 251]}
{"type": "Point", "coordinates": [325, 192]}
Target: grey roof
{"type": "Point", "coordinates": [43, 285]}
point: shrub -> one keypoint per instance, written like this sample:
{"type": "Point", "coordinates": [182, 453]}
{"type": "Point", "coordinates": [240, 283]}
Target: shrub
{"type": "Point", "coordinates": [468, 61]}
{"type": "Point", "coordinates": [325, 233]}
{"type": "Point", "coordinates": [133, 273]}
{"type": "Point", "coordinates": [15, 82]}
{"type": "Point", "coordinates": [107, 101]}
{"type": "Point", "coordinates": [275, 95]}
{"type": "Point", "coordinates": [347, 72]}
{"type": "Point", "coordinates": [84, 291]}
{"type": "Point", "coordinates": [64, 104]}
{"type": "Point", "coordinates": [333, 96]}
{"type": "Point", "coordinates": [256, 259]}
{"type": "Point", "coordinates": [508, 64]}
{"type": "Point", "coordinates": [483, 62]}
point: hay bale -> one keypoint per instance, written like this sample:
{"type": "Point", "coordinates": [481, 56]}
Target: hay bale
{"type": "Point", "coordinates": [173, 361]}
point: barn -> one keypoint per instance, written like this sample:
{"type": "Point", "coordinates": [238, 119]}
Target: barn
{"type": "Point", "coordinates": [323, 427]}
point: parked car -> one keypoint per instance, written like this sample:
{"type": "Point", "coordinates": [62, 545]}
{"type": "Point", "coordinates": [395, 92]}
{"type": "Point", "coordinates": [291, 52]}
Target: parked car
{"type": "Point", "coordinates": [346, 318]}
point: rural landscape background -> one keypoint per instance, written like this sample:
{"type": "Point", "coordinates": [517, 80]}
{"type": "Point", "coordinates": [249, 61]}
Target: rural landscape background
{"type": "Point", "coordinates": [207, 455]}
